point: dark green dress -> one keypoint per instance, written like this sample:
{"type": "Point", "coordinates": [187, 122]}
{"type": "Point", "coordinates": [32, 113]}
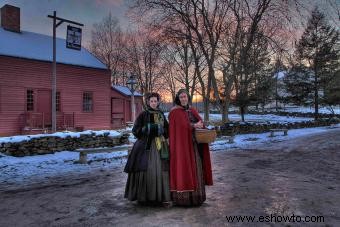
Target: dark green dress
{"type": "Point", "coordinates": [148, 173]}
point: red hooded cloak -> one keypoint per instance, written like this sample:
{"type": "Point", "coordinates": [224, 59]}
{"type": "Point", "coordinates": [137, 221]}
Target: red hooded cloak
{"type": "Point", "coordinates": [183, 174]}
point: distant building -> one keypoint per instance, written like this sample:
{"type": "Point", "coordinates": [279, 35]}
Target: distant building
{"type": "Point", "coordinates": [121, 105]}
{"type": "Point", "coordinates": [85, 98]}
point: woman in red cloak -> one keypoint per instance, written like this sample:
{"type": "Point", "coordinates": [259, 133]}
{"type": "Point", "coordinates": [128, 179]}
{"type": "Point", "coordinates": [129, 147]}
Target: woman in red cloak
{"type": "Point", "coordinates": [190, 165]}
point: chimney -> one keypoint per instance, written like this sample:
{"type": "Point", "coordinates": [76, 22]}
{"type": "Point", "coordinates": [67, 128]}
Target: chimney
{"type": "Point", "coordinates": [10, 18]}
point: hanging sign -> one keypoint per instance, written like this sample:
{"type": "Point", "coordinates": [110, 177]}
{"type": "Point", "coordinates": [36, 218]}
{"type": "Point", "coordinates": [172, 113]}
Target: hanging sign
{"type": "Point", "coordinates": [73, 38]}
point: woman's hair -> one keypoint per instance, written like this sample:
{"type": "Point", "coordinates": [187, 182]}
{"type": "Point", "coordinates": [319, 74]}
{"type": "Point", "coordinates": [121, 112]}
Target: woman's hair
{"type": "Point", "coordinates": [177, 101]}
{"type": "Point", "coordinates": [150, 95]}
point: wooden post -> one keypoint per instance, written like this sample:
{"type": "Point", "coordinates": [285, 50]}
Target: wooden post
{"type": "Point", "coordinates": [82, 158]}
{"type": "Point", "coordinates": [133, 109]}
{"type": "Point", "coordinates": [54, 65]}
{"type": "Point", "coordinates": [54, 74]}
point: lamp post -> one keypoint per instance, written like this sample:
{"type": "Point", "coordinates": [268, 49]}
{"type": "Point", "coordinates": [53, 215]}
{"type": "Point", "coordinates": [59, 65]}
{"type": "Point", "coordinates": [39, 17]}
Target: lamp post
{"type": "Point", "coordinates": [131, 85]}
{"type": "Point", "coordinates": [196, 100]}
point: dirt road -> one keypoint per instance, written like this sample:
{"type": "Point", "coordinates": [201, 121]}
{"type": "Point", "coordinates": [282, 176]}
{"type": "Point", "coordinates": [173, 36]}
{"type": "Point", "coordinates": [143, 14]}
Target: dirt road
{"type": "Point", "coordinates": [300, 177]}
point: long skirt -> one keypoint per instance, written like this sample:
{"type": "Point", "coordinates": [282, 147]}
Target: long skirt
{"type": "Point", "coordinates": [192, 198]}
{"type": "Point", "coordinates": [151, 185]}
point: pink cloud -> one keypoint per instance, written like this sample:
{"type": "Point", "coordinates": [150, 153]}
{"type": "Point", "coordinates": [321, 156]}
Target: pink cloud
{"type": "Point", "coordinates": [109, 2]}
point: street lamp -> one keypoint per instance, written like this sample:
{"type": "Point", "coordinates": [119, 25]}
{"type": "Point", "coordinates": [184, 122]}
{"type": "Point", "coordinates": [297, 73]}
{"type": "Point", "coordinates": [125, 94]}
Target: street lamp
{"type": "Point", "coordinates": [131, 85]}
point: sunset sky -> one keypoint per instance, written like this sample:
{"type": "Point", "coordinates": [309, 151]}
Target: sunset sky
{"type": "Point", "coordinates": [34, 14]}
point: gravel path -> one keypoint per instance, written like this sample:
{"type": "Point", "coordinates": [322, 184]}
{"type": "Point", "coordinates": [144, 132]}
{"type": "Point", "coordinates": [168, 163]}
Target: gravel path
{"type": "Point", "coordinates": [300, 177]}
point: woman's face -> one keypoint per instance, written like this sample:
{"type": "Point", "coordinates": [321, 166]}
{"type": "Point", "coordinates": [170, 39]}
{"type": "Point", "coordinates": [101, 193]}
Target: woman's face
{"type": "Point", "coordinates": [153, 102]}
{"type": "Point", "coordinates": [183, 98]}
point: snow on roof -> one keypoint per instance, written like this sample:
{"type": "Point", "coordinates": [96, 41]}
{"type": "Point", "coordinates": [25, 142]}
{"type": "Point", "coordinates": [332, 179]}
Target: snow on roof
{"type": "Point", "coordinates": [280, 75]}
{"type": "Point", "coordinates": [125, 90]}
{"type": "Point", "coordinates": [40, 47]}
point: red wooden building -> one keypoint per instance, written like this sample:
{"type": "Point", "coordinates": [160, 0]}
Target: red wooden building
{"type": "Point", "coordinates": [85, 98]}
{"type": "Point", "coordinates": [121, 105]}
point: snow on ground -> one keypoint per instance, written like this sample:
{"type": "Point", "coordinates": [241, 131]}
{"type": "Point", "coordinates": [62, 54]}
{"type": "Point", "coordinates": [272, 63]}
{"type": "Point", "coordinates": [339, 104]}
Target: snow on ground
{"type": "Point", "coordinates": [64, 134]}
{"type": "Point", "coordinates": [25, 170]}
{"type": "Point", "coordinates": [15, 170]}
{"type": "Point", "coordinates": [245, 141]}
{"type": "Point", "coordinates": [266, 118]}
{"type": "Point", "coordinates": [300, 109]}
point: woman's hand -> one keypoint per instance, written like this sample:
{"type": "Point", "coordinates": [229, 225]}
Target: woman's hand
{"type": "Point", "coordinates": [198, 124]}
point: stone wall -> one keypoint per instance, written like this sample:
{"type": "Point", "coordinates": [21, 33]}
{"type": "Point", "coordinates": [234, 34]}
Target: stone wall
{"type": "Point", "coordinates": [246, 127]}
{"type": "Point", "coordinates": [51, 144]}
{"type": "Point", "coordinates": [283, 113]}
{"type": "Point", "coordinates": [296, 114]}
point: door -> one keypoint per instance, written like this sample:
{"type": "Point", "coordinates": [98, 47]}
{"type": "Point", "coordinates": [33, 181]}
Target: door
{"type": "Point", "coordinates": [117, 112]}
{"type": "Point", "coordinates": [44, 106]}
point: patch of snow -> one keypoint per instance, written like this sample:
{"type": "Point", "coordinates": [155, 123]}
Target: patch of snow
{"type": "Point", "coordinates": [28, 169]}
{"type": "Point", "coordinates": [210, 127]}
{"type": "Point", "coordinates": [260, 118]}
{"type": "Point", "coordinates": [64, 134]}
{"type": "Point", "coordinates": [281, 75]}
{"type": "Point", "coordinates": [252, 140]}
{"type": "Point", "coordinates": [265, 118]}
{"type": "Point", "coordinates": [300, 109]}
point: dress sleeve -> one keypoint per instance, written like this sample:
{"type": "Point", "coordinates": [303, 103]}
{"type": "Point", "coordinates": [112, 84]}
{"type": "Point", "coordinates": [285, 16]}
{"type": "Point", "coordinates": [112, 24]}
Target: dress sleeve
{"type": "Point", "coordinates": [166, 128]}
{"type": "Point", "coordinates": [196, 114]}
{"type": "Point", "coordinates": [137, 129]}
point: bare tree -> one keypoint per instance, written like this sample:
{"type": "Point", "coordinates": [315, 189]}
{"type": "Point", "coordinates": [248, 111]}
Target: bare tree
{"type": "Point", "coordinates": [169, 75]}
{"type": "Point", "coordinates": [223, 35]}
{"type": "Point", "coordinates": [106, 44]}
{"type": "Point", "coordinates": [144, 58]}
{"type": "Point", "coordinates": [180, 53]}
{"type": "Point", "coordinates": [255, 22]}
{"type": "Point", "coordinates": [204, 21]}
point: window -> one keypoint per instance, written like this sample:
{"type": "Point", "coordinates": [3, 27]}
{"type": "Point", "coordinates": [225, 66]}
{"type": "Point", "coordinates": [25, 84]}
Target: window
{"type": "Point", "coordinates": [87, 102]}
{"type": "Point", "coordinates": [30, 100]}
{"type": "Point", "coordinates": [58, 101]}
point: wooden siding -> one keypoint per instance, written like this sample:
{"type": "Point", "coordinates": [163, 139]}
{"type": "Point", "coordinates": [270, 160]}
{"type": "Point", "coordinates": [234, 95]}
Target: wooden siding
{"type": "Point", "coordinates": [17, 75]}
{"type": "Point", "coordinates": [122, 113]}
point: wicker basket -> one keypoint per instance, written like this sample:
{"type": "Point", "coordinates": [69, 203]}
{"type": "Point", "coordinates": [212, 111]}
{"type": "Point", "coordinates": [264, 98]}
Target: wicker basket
{"type": "Point", "coordinates": [205, 135]}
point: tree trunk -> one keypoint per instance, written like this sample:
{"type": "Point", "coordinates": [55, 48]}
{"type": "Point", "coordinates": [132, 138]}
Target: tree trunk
{"type": "Point", "coordinates": [206, 109]}
{"type": "Point", "coordinates": [242, 113]}
{"type": "Point", "coordinates": [225, 112]}
{"type": "Point", "coordinates": [207, 102]}
{"type": "Point", "coordinates": [316, 104]}
{"type": "Point", "coordinates": [316, 97]}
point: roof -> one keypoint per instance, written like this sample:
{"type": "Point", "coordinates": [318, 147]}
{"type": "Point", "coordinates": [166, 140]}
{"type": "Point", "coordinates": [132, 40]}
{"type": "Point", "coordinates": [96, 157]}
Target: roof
{"type": "Point", "coordinates": [40, 47]}
{"type": "Point", "coordinates": [280, 75]}
{"type": "Point", "coordinates": [125, 90]}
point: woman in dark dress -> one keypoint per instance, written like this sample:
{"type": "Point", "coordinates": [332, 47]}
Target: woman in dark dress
{"type": "Point", "coordinates": [190, 165]}
{"type": "Point", "coordinates": [148, 163]}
